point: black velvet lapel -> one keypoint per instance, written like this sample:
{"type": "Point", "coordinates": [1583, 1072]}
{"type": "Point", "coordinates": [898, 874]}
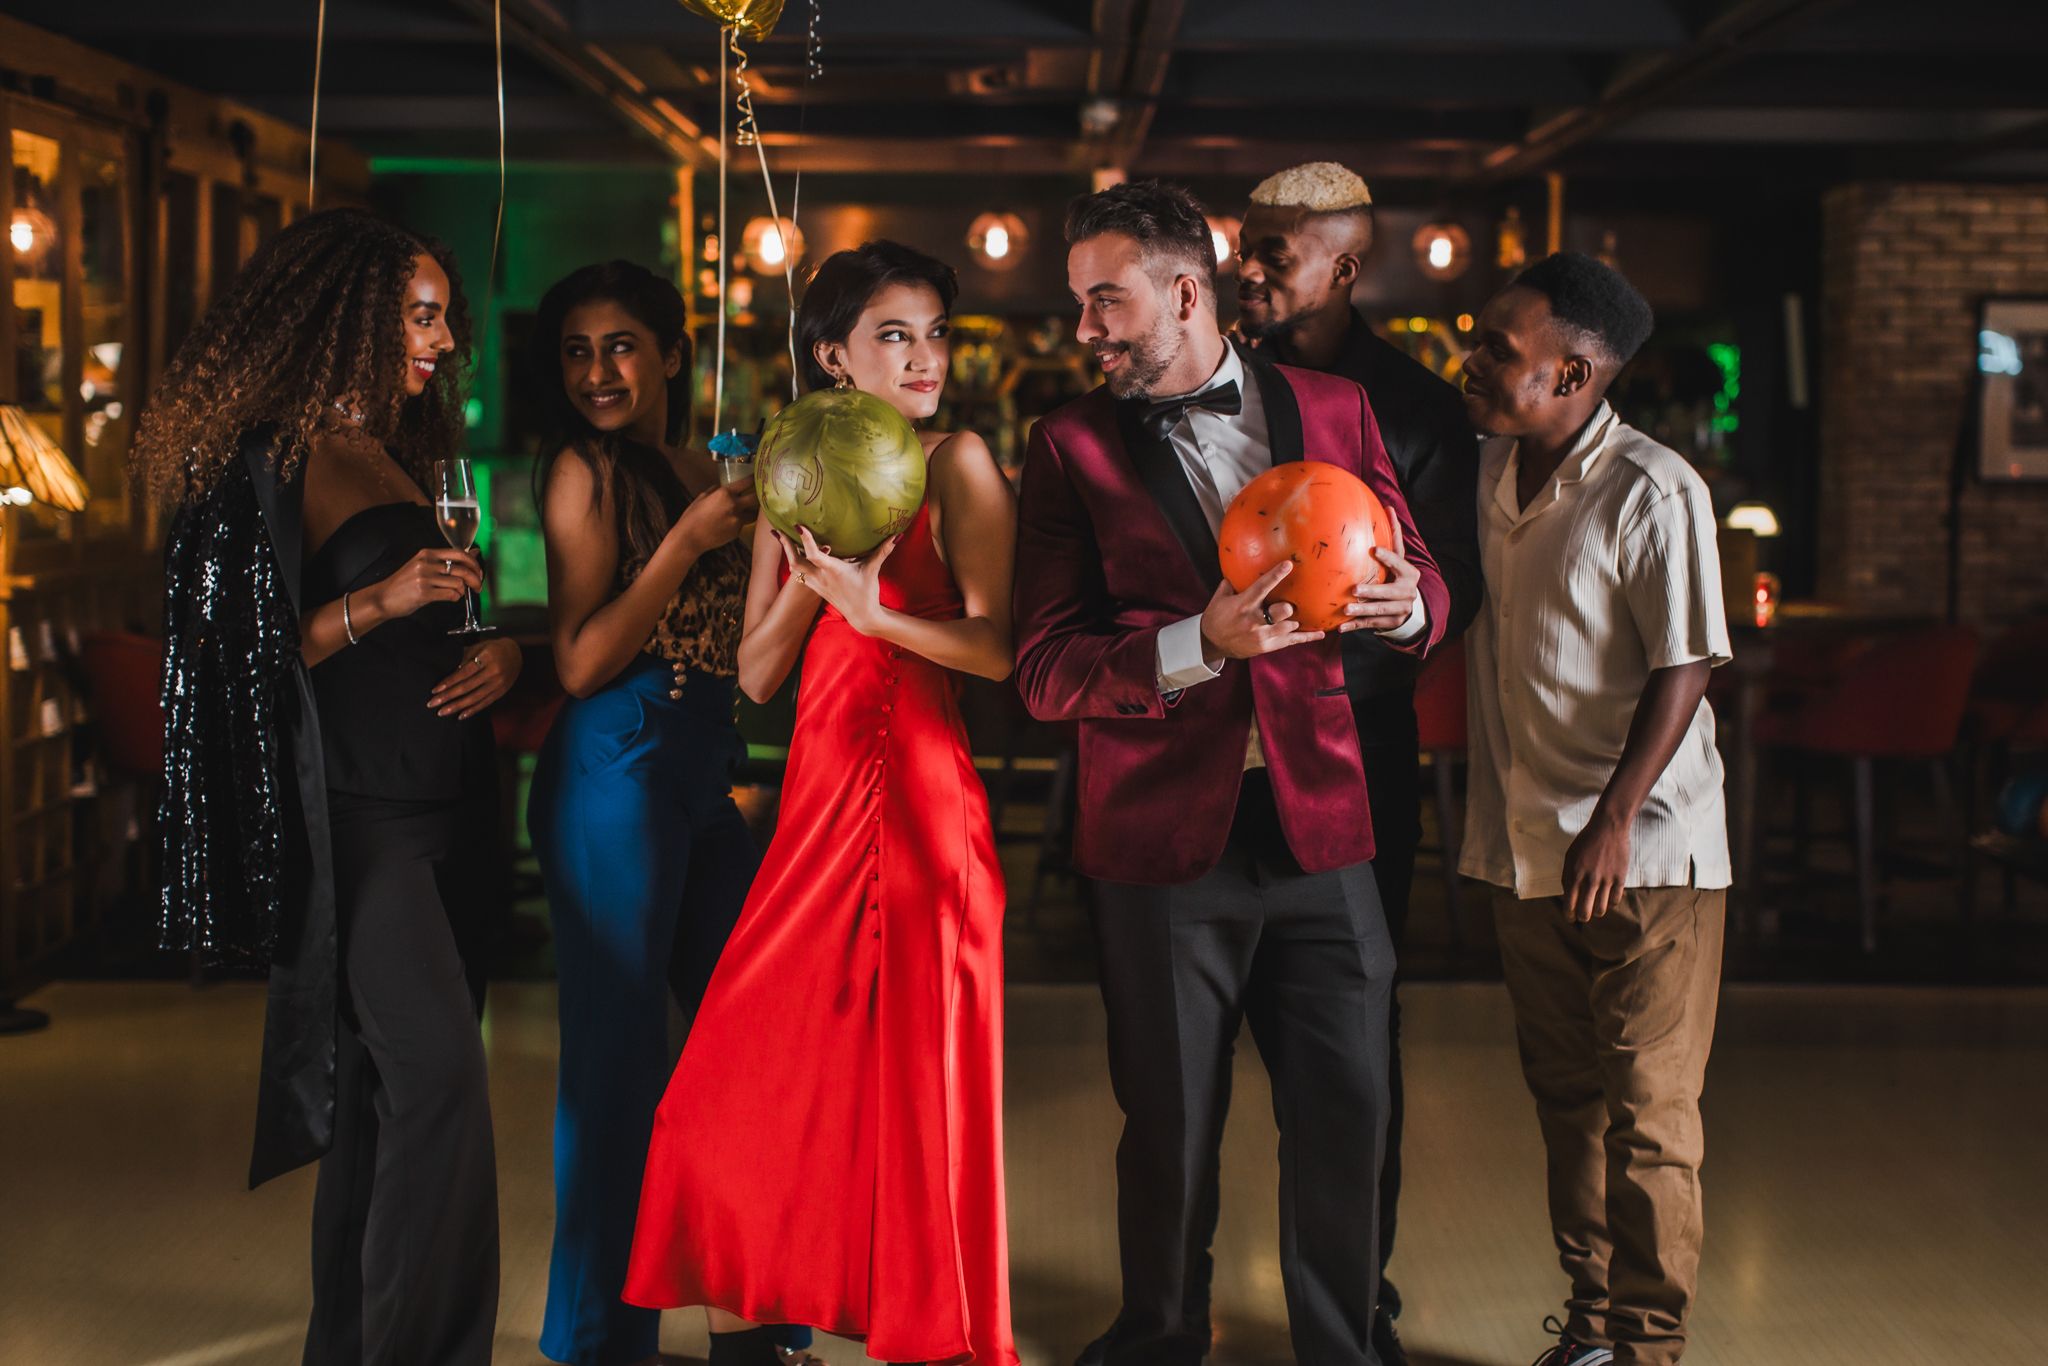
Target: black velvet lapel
{"type": "Point", "coordinates": [1160, 470]}
{"type": "Point", "coordinates": [1283, 413]}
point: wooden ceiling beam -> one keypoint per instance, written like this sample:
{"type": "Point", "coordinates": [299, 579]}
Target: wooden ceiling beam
{"type": "Point", "coordinates": [1645, 83]}
{"type": "Point", "coordinates": [1041, 156]}
{"type": "Point", "coordinates": [540, 30]}
{"type": "Point", "coordinates": [1135, 41]}
{"type": "Point", "coordinates": [988, 155]}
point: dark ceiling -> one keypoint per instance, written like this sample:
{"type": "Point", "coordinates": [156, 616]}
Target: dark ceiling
{"type": "Point", "coordinates": [1705, 92]}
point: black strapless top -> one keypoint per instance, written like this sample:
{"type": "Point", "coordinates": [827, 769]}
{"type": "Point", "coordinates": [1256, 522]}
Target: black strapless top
{"type": "Point", "coordinates": [379, 736]}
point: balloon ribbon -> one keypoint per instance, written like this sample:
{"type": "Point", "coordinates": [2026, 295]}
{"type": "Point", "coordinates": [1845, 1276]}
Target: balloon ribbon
{"type": "Point", "coordinates": [313, 133]}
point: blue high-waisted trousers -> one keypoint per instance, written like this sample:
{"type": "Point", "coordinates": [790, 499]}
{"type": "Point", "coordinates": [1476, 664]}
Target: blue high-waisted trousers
{"type": "Point", "coordinates": [646, 861]}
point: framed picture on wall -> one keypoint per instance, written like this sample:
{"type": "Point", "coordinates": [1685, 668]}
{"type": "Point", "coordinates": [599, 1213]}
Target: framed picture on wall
{"type": "Point", "coordinates": [2012, 389]}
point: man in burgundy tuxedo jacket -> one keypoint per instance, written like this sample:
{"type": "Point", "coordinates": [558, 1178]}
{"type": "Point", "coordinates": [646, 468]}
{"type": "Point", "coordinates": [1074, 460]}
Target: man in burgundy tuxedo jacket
{"type": "Point", "coordinates": [1223, 806]}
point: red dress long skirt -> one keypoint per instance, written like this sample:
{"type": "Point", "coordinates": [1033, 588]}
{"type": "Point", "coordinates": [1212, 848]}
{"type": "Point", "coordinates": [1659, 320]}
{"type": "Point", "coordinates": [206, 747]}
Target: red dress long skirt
{"type": "Point", "coordinates": [829, 1151]}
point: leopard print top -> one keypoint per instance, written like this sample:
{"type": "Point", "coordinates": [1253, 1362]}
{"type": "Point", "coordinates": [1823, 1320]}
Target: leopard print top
{"type": "Point", "coordinates": [701, 629]}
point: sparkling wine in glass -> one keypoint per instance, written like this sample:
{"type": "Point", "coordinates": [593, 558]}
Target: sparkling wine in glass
{"type": "Point", "coordinates": [456, 510]}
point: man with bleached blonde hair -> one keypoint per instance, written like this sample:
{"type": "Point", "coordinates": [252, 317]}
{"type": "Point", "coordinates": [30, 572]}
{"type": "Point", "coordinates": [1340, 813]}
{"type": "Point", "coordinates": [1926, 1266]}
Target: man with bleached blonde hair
{"type": "Point", "coordinates": [1306, 236]}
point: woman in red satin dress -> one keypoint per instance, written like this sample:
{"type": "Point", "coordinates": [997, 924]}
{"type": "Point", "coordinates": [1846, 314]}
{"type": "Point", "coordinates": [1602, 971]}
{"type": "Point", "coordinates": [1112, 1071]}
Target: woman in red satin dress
{"type": "Point", "coordinates": [829, 1151]}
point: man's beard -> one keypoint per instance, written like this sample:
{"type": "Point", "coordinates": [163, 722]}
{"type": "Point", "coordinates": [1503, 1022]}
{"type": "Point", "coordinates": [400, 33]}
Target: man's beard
{"type": "Point", "coordinates": [1272, 330]}
{"type": "Point", "coordinates": [1146, 358]}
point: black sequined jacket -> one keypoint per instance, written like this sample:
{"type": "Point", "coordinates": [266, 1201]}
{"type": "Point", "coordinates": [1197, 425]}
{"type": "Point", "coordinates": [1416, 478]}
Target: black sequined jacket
{"type": "Point", "coordinates": [247, 869]}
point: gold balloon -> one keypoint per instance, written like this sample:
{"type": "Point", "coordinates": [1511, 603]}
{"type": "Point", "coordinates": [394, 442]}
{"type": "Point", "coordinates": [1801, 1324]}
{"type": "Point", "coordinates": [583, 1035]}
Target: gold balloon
{"type": "Point", "coordinates": [755, 18]}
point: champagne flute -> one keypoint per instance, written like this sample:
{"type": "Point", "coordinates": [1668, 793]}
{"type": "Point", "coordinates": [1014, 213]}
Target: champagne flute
{"type": "Point", "coordinates": [455, 508]}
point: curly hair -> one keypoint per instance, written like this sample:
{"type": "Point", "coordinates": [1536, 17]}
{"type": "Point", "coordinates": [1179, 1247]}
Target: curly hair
{"type": "Point", "coordinates": [1593, 302]}
{"type": "Point", "coordinates": [630, 477]}
{"type": "Point", "coordinates": [311, 327]}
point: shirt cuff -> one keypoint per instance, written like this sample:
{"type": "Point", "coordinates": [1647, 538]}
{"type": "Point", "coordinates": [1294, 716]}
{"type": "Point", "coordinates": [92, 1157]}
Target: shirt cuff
{"type": "Point", "coordinates": [1181, 663]}
{"type": "Point", "coordinates": [1410, 629]}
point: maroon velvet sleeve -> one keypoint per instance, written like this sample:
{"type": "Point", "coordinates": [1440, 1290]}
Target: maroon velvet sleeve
{"type": "Point", "coordinates": [1074, 661]}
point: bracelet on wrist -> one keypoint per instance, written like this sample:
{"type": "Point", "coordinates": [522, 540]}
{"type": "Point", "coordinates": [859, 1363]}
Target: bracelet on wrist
{"type": "Point", "coordinates": [348, 626]}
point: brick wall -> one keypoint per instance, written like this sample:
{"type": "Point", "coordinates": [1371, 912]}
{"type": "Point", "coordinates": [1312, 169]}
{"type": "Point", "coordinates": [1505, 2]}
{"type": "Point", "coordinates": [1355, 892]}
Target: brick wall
{"type": "Point", "coordinates": [1904, 268]}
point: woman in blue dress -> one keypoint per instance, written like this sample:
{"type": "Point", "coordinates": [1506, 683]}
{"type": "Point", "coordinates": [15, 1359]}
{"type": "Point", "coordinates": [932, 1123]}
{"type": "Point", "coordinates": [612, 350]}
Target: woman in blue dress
{"type": "Point", "coordinates": [645, 857]}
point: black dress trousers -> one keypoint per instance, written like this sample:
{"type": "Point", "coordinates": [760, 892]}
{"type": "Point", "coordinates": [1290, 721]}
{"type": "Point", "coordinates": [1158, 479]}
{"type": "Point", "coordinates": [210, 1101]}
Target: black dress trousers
{"type": "Point", "coordinates": [1307, 961]}
{"type": "Point", "coordinates": [1393, 776]}
{"type": "Point", "coordinates": [405, 1215]}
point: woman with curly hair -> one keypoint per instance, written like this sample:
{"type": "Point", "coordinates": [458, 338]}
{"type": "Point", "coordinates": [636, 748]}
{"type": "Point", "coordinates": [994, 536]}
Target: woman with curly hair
{"type": "Point", "coordinates": [646, 858]}
{"type": "Point", "coordinates": [329, 786]}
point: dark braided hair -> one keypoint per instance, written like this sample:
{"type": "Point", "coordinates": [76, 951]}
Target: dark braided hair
{"type": "Point", "coordinates": [313, 325]}
{"type": "Point", "coordinates": [635, 480]}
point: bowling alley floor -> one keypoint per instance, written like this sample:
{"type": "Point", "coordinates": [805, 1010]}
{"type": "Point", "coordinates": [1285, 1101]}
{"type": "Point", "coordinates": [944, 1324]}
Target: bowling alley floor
{"type": "Point", "coordinates": [1874, 1187]}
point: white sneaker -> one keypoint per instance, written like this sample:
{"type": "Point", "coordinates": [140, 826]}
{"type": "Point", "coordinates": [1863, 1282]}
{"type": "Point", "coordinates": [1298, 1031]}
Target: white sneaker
{"type": "Point", "coordinates": [1570, 1352]}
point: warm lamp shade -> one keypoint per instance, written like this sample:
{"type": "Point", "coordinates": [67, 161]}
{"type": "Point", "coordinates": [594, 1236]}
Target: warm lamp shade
{"type": "Point", "coordinates": [30, 460]}
{"type": "Point", "coordinates": [31, 233]}
{"type": "Point", "coordinates": [1442, 250]}
{"type": "Point", "coordinates": [998, 241]}
{"type": "Point", "coordinates": [1756, 518]}
{"type": "Point", "coordinates": [772, 244]}
{"type": "Point", "coordinates": [1223, 236]}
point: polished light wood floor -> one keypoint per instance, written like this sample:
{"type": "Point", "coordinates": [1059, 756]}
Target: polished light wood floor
{"type": "Point", "coordinates": [1874, 1181]}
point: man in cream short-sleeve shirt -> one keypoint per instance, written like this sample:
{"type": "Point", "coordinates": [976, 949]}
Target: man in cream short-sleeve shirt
{"type": "Point", "coordinates": [1595, 806]}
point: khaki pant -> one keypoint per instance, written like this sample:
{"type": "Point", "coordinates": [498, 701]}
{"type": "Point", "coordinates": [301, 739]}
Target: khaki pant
{"type": "Point", "coordinates": [1614, 1019]}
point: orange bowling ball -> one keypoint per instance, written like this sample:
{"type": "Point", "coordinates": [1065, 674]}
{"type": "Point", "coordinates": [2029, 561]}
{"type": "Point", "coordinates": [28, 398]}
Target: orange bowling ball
{"type": "Point", "coordinates": [1323, 518]}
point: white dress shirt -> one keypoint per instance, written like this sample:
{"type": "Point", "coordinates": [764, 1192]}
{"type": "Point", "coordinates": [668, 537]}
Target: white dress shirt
{"type": "Point", "coordinates": [1608, 575]}
{"type": "Point", "coordinates": [1220, 453]}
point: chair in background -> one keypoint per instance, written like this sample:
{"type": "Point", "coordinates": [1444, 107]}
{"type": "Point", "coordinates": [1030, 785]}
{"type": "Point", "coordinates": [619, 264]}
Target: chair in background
{"type": "Point", "coordinates": [1773, 674]}
{"type": "Point", "coordinates": [2009, 697]}
{"type": "Point", "coordinates": [1901, 697]}
{"type": "Point", "coordinates": [124, 673]}
{"type": "Point", "coordinates": [124, 679]}
{"type": "Point", "coordinates": [1440, 727]}
{"type": "Point", "coordinates": [2008, 716]}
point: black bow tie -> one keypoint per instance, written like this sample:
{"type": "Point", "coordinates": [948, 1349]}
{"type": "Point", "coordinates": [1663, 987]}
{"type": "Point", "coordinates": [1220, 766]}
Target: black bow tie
{"type": "Point", "coordinates": [1162, 417]}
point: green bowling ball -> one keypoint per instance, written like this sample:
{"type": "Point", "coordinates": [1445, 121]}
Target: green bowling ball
{"type": "Point", "coordinates": [843, 463]}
